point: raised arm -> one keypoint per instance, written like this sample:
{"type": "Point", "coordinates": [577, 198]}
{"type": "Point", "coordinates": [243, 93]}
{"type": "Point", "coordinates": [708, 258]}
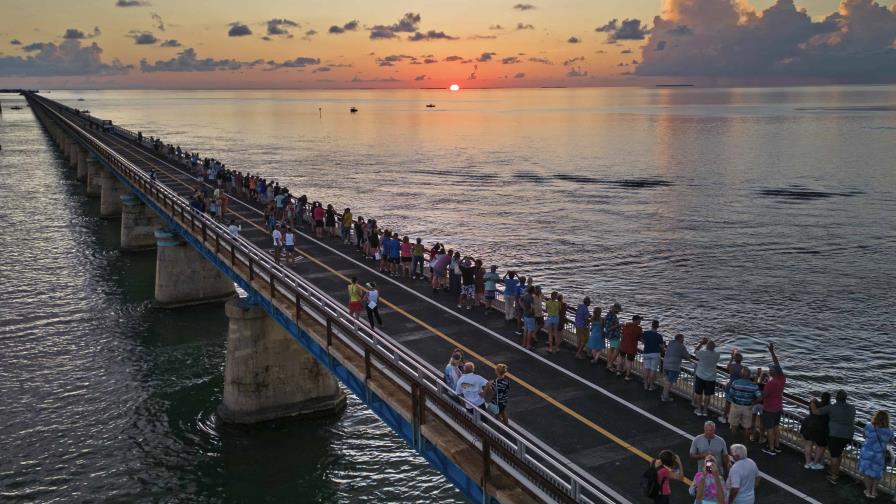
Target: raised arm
{"type": "Point", "coordinates": [771, 349]}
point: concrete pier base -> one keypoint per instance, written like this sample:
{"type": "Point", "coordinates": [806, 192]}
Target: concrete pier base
{"type": "Point", "coordinates": [65, 146]}
{"type": "Point", "coordinates": [94, 176]}
{"type": "Point", "coordinates": [81, 173]}
{"type": "Point", "coordinates": [111, 190]}
{"type": "Point", "coordinates": [268, 375]}
{"type": "Point", "coordinates": [73, 153]}
{"type": "Point", "coordinates": [138, 224]}
{"type": "Point", "coordinates": [184, 277]}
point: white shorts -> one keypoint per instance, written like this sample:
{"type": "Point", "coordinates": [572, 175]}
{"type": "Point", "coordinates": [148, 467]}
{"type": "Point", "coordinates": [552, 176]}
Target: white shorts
{"type": "Point", "coordinates": [651, 362]}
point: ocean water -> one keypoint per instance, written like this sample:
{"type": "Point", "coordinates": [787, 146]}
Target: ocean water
{"type": "Point", "coordinates": [744, 215]}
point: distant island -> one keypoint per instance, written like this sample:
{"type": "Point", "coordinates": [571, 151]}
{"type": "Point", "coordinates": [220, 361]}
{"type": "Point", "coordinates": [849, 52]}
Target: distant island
{"type": "Point", "coordinates": [674, 85]}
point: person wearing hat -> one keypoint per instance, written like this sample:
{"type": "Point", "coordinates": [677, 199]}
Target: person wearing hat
{"type": "Point", "coordinates": [628, 347]}
{"type": "Point", "coordinates": [773, 404]}
{"type": "Point", "coordinates": [372, 298]}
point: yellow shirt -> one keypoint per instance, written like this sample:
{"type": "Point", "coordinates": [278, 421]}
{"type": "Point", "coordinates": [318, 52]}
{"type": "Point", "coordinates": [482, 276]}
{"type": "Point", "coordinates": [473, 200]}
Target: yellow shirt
{"type": "Point", "coordinates": [553, 308]}
{"type": "Point", "coordinates": [354, 293]}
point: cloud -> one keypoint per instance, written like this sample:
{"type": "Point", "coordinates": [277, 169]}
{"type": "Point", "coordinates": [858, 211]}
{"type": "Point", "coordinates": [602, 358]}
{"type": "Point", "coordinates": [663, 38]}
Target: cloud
{"type": "Point", "coordinates": [543, 61]}
{"type": "Point", "coordinates": [407, 24]}
{"type": "Point", "coordinates": [486, 56]}
{"type": "Point", "coordinates": [309, 34]}
{"type": "Point", "coordinates": [625, 51]}
{"type": "Point", "coordinates": [572, 61]}
{"type": "Point", "coordinates": [430, 61]}
{"type": "Point", "coordinates": [238, 29]}
{"type": "Point", "coordinates": [628, 29]}
{"type": "Point", "coordinates": [73, 34]}
{"type": "Point", "coordinates": [142, 38]}
{"type": "Point", "coordinates": [733, 41]}
{"type": "Point", "coordinates": [430, 35]}
{"type": "Point", "coordinates": [299, 62]}
{"type": "Point", "coordinates": [453, 58]}
{"type": "Point", "coordinates": [67, 58]}
{"type": "Point", "coordinates": [350, 26]}
{"type": "Point", "coordinates": [495, 27]}
{"type": "Point", "coordinates": [527, 26]}
{"type": "Point", "coordinates": [573, 40]}
{"type": "Point", "coordinates": [421, 77]}
{"type": "Point", "coordinates": [510, 60]}
{"type": "Point", "coordinates": [482, 37]}
{"type": "Point", "coordinates": [280, 27]}
{"type": "Point", "coordinates": [358, 78]}
{"type": "Point", "coordinates": [266, 38]}
{"type": "Point", "coordinates": [131, 3]}
{"type": "Point", "coordinates": [186, 61]}
{"type": "Point", "coordinates": [523, 7]}
{"type": "Point", "coordinates": [15, 42]}
{"type": "Point", "coordinates": [170, 43]}
{"type": "Point", "coordinates": [576, 72]}
{"type": "Point", "coordinates": [519, 75]}
{"type": "Point", "coordinates": [158, 19]}
{"type": "Point", "coordinates": [321, 69]}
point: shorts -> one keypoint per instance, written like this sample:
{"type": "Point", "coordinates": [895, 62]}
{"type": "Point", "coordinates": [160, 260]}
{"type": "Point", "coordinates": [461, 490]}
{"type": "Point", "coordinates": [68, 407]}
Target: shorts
{"type": "Point", "coordinates": [553, 321]}
{"type": "Point", "coordinates": [405, 259]}
{"type": "Point", "coordinates": [614, 343]}
{"type": "Point", "coordinates": [672, 376]}
{"type": "Point", "coordinates": [489, 294]}
{"type": "Point", "coordinates": [354, 307]}
{"type": "Point", "coordinates": [629, 356]}
{"type": "Point", "coordinates": [438, 273]}
{"type": "Point", "coordinates": [394, 260]}
{"type": "Point", "coordinates": [581, 336]}
{"type": "Point", "coordinates": [529, 323]}
{"type": "Point", "coordinates": [652, 362]}
{"type": "Point", "coordinates": [704, 387]}
{"type": "Point", "coordinates": [467, 290]}
{"type": "Point", "coordinates": [771, 419]}
{"type": "Point", "coordinates": [278, 249]}
{"type": "Point", "coordinates": [319, 223]}
{"type": "Point", "coordinates": [290, 248]}
{"type": "Point", "coordinates": [836, 445]}
{"type": "Point", "coordinates": [740, 415]}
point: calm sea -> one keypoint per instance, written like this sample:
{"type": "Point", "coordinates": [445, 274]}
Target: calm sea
{"type": "Point", "coordinates": [745, 215]}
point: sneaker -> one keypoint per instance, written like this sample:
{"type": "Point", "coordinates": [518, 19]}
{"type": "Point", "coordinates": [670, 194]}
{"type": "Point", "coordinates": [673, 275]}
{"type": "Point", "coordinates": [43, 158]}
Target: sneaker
{"type": "Point", "coordinates": [705, 413]}
{"type": "Point", "coordinates": [519, 333]}
{"type": "Point", "coordinates": [808, 466]}
{"type": "Point", "coordinates": [769, 451]}
{"type": "Point", "coordinates": [458, 306]}
{"type": "Point", "coordinates": [816, 466]}
{"type": "Point", "coordinates": [698, 412]}
{"type": "Point", "coordinates": [778, 450]}
{"type": "Point", "coordinates": [666, 399]}
{"type": "Point", "coordinates": [832, 480]}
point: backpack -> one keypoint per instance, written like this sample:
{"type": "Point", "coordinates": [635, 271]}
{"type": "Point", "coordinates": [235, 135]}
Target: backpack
{"type": "Point", "coordinates": [649, 484]}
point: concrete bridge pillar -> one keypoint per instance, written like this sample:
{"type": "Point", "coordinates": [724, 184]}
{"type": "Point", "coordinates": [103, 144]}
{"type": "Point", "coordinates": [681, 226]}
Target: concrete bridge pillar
{"type": "Point", "coordinates": [94, 176]}
{"type": "Point", "coordinates": [64, 145]}
{"type": "Point", "coordinates": [268, 375]}
{"type": "Point", "coordinates": [73, 153]}
{"type": "Point", "coordinates": [111, 190]}
{"type": "Point", "coordinates": [81, 174]}
{"type": "Point", "coordinates": [184, 277]}
{"type": "Point", "coordinates": [138, 224]}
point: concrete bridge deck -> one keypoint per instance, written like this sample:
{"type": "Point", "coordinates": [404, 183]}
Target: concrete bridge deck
{"type": "Point", "coordinates": [598, 421]}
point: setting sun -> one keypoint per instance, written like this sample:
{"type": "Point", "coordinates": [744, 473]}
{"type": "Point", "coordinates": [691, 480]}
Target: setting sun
{"type": "Point", "coordinates": [454, 87]}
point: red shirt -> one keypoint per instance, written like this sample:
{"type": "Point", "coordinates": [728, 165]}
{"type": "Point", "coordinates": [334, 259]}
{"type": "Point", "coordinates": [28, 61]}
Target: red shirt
{"type": "Point", "coordinates": [631, 335]}
{"type": "Point", "coordinates": [773, 394]}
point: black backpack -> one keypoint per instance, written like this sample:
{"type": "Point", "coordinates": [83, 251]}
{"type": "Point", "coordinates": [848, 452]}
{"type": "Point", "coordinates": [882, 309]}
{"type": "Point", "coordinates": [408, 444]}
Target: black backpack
{"type": "Point", "coordinates": [649, 483]}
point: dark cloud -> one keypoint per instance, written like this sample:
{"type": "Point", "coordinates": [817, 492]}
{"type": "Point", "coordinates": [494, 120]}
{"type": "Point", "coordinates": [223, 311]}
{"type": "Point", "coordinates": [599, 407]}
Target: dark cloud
{"type": "Point", "coordinates": [131, 3]}
{"type": "Point", "coordinates": [510, 60]}
{"type": "Point", "coordinates": [577, 72]}
{"type": "Point", "coordinates": [495, 27]}
{"type": "Point", "coordinates": [482, 37]}
{"type": "Point", "coordinates": [67, 58]}
{"type": "Point", "coordinates": [158, 20]}
{"type": "Point", "coordinates": [321, 69]}
{"type": "Point", "coordinates": [523, 7]}
{"type": "Point", "coordinates": [280, 27]}
{"type": "Point", "coordinates": [143, 38]}
{"type": "Point", "coordinates": [430, 61]}
{"type": "Point", "coordinates": [350, 26]}
{"type": "Point", "coordinates": [453, 58]}
{"type": "Point", "coordinates": [73, 34]}
{"type": "Point", "coordinates": [309, 34]}
{"type": "Point", "coordinates": [238, 29]}
{"type": "Point", "coordinates": [186, 61]}
{"type": "Point", "coordinates": [625, 51]}
{"type": "Point", "coordinates": [430, 35]}
{"type": "Point", "coordinates": [170, 43]}
{"type": "Point", "coordinates": [543, 61]}
{"type": "Point", "coordinates": [266, 38]}
{"type": "Point", "coordinates": [358, 78]}
{"type": "Point", "coordinates": [385, 63]}
{"type": "Point", "coordinates": [407, 24]}
{"type": "Point", "coordinates": [300, 62]}
{"type": "Point", "coordinates": [729, 41]}
{"type": "Point", "coordinates": [486, 56]}
{"type": "Point", "coordinates": [572, 61]}
{"type": "Point", "coordinates": [629, 29]}
{"type": "Point", "coordinates": [519, 75]}
{"type": "Point", "coordinates": [526, 26]}
{"type": "Point", "coordinates": [420, 77]}
{"type": "Point", "coordinates": [573, 40]}
{"type": "Point", "coordinates": [15, 42]}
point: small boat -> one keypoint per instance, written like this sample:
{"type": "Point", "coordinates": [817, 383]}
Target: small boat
{"type": "Point", "coordinates": [80, 99]}
{"type": "Point", "coordinates": [430, 105]}
{"type": "Point", "coordinates": [15, 107]}
{"type": "Point", "coordinates": [85, 111]}
{"type": "Point", "coordinates": [353, 110]}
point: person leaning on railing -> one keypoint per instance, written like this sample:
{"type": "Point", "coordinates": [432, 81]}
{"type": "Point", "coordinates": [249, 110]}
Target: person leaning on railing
{"type": "Point", "coordinates": [875, 452]}
{"type": "Point", "coordinates": [841, 422]}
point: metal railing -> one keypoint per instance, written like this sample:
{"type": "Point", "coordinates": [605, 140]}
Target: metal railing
{"type": "Point", "coordinates": [541, 471]}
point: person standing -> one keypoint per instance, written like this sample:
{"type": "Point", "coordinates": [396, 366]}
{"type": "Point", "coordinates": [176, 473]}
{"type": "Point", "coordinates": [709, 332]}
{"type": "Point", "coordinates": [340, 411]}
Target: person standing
{"type": "Point", "coordinates": [468, 279]}
{"type": "Point", "coordinates": [841, 422]}
{"type": "Point", "coordinates": [708, 486]}
{"type": "Point", "coordinates": [372, 298]}
{"type": "Point", "coordinates": [596, 342]}
{"type": "Point", "coordinates": [872, 458]}
{"type": "Point", "coordinates": [668, 467]}
{"type": "Point", "coordinates": [501, 386]}
{"type": "Point", "coordinates": [631, 336]}
{"type": "Point", "coordinates": [511, 284]}
{"type": "Point", "coordinates": [347, 220]}
{"type": "Point", "coordinates": [653, 348]}
{"type": "Point", "coordinates": [773, 404]}
{"type": "Point", "coordinates": [527, 303]}
{"type": "Point", "coordinates": [707, 444]}
{"type": "Point", "coordinates": [278, 243]}
{"type": "Point", "coordinates": [355, 295]}
{"type": "Point", "coordinates": [581, 323]}
{"type": "Point", "coordinates": [742, 394]}
{"type": "Point", "coordinates": [705, 375]}
{"type": "Point", "coordinates": [289, 240]}
{"type": "Point", "coordinates": [454, 369]}
{"type": "Point", "coordinates": [675, 353]}
{"type": "Point", "coordinates": [814, 430]}
{"type": "Point", "coordinates": [611, 331]}
{"type": "Point", "coordinates": [417, 260]}
{"type": "Point", "coordinates": [734, 366]}
{"type": "Point", "coordinates": [491, 280]}
{"type": "Point", "coordinates": [743, 477]}
{"type": "Point", "coordinates": [472, 387]}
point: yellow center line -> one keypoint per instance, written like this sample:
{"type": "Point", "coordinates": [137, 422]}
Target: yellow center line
{"type": "Point", "coordinates": [531, 388]}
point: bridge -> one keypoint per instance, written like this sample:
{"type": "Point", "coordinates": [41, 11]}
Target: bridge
{"type": "Point", "coordinates": [575, 434]}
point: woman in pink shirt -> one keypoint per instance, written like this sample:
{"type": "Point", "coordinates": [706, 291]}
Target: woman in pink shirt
{"type": "Point", "coordinates": [405, 257]}
{"type": "Point", "coordinates": [668, 467]}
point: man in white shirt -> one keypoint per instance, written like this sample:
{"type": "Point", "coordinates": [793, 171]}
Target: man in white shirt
{"type": "Point", "coordinates": [743, 478]}
{"type": "Point", "coordinates": [278, 243]}
{"type": "Point", "coordinates": [234, 228]}
{"type": "Point", "coordinates": [471, 386]}
{"type": "Point", "coordinates": [290, 240]}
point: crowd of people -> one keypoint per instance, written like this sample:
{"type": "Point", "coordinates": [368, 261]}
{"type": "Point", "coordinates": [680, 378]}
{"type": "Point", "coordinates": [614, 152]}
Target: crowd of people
{"type": "Point", "coordinates": [754, 399]}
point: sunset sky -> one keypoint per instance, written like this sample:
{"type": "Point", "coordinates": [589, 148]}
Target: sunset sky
{"type": "Point", "coordinates": [485, 43]}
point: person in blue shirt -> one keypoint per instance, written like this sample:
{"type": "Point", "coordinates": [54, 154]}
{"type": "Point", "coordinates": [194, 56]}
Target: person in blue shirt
{"type": "Point", "coordinates": [653, 347]}
{"type": "Point", "coordinates": [581, 323]}
{"type": "Point", "coordinates": [510, 292]}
